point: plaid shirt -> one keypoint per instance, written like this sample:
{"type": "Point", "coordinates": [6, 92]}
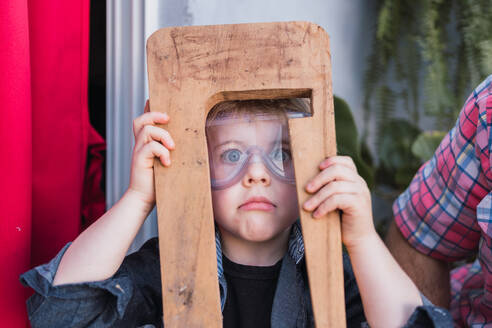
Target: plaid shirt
{"type": "Point", "coordinates": [446, 212]}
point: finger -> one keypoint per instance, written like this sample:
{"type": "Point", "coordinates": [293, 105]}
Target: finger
{"type": "Point", "coordinates": [342, 160]}
{"type": "Point", "coordinates": [147, 106]}
{"type": "Point", "coordinates": [331, 173]}
{"type": "Point", "coordinates": [335, 202]}
{"type": "Point", "coordinates": [150, 118]}
{"type": "Point", "coordinates": [334, 187]}
{"type": "Point", "coordinates": [150, 132]}
{"type": "Point", "coordinates": [155, 149]}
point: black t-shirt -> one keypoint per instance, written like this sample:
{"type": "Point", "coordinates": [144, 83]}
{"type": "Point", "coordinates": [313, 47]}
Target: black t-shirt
{"type": "Point", "coordinates": [250, 293]}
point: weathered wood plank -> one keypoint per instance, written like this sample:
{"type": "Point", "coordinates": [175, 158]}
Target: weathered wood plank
{"type": "Point", "coordinates": [190, 70]}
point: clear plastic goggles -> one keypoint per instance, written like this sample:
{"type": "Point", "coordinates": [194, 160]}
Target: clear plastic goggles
{"type": "Point", "coordinates": [236, 143]}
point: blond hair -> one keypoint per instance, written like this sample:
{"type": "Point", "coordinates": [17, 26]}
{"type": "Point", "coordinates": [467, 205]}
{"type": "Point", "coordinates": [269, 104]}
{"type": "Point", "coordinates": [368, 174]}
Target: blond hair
{"type": "Point", "coordinates": [281, 107]}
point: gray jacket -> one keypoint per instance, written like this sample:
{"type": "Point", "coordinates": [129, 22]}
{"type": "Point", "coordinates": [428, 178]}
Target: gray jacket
{"type": "Point", "coordinates": [133, 297]}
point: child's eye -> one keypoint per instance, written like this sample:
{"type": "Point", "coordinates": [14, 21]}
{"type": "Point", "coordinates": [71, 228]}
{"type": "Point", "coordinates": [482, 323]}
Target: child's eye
{"type": "Point", "coordinates": [231, 156]}
{"type": "Point", "coordinates": [280, 155]}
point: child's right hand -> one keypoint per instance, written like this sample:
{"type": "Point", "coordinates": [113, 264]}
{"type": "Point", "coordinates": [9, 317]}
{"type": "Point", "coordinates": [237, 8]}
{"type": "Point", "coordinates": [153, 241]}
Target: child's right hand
{"type": "Point", "coordinates": [98, 252]}
{"type": "Point", "coordinates": [150, 142]}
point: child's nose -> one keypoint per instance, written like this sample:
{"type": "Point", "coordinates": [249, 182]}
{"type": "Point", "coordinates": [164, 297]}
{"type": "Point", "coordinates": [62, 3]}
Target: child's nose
{"type": "Point", "coordinates": [256, 173]}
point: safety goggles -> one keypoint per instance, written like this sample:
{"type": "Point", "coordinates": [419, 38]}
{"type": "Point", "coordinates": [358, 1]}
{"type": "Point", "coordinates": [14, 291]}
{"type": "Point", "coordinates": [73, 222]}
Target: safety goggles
{"type": "Point", "coordinates": [236, 143]}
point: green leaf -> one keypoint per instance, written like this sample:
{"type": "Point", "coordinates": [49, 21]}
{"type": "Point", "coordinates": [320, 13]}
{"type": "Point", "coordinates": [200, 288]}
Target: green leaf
{"type": "Point", "coordinates": [347, 135]}
{"type": "Point", "coordinates": [426, 144]}
{"type": "Point", "coordinates": [348, 141]}
{"type": "Point", "coordinates": [397, 162]}
{"type": "Point", "coordinates": [430, 53]}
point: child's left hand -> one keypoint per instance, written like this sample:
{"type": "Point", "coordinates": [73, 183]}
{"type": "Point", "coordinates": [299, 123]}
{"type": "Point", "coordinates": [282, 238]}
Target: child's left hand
{"type": "Point", "coordinates": [388, 295]}
{"type": "Point", "coordinates": [339, 187]}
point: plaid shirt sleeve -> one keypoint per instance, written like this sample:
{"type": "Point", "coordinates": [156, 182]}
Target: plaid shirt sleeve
{"type": "Point", "coordinates": [437, 213]}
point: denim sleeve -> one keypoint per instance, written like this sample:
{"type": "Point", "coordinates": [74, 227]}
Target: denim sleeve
{"type": "Point", "coordinates": [130, 298]}
{"type": "Point", "coordinates": [430, 316]}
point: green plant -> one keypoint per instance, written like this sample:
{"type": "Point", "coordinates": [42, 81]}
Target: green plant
{"type": "Point", "coordinates": [397, 162]}
{"type": "Point", "coordinates": [426, 144]}
{"type": "Point", "coordinates": [348, 142]}
{"type": "Point", "coordinates": [429, 52]}
{"type": "Point", "coordinates": [441, 48]}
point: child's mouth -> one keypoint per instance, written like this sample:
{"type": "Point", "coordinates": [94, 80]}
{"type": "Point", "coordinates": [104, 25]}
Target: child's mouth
{"type": "Point", "coordinates": [257, 204]}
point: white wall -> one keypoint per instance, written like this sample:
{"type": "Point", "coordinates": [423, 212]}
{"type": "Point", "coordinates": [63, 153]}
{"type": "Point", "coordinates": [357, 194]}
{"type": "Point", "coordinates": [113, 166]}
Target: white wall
{"type": "Point", "coordinates": [347, 23]}
{"type": "Point", "coordinates": [130, 22]}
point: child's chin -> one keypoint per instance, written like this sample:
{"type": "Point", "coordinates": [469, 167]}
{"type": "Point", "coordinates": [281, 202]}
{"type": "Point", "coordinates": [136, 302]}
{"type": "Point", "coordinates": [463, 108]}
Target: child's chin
{"type": "Point", "coordinates": [260, 233]}
{"type": "Point", "coordinates": [260, 238]}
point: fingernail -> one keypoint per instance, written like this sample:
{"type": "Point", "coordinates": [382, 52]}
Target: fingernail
{"type": "Point", "coordinates": [309, 187]}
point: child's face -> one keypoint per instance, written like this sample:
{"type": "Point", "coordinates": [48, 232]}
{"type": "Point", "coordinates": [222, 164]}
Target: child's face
{"type": "Point", "coordinates": [258, 200]}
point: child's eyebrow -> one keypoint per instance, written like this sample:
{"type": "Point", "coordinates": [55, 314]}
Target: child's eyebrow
{"type": "Point", "coordinates": [229, 142]}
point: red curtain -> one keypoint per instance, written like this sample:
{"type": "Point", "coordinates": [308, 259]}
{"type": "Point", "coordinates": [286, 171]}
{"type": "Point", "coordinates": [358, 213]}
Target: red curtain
{"type": "Point", "coordinates": [50, 156]}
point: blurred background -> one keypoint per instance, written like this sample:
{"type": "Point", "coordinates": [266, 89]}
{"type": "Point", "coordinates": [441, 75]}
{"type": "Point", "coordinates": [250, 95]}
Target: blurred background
{"type": "Point", "coordinates": [401, 71]}
{"type": "Point", "coordinates": [74, 77]}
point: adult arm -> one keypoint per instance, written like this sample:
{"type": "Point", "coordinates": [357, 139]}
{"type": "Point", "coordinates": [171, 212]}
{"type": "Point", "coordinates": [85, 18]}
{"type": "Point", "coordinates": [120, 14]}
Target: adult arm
{"type": "Point", "coordinates": [430, 275]}
{"type": "Point", "coordinates": [438, 215]}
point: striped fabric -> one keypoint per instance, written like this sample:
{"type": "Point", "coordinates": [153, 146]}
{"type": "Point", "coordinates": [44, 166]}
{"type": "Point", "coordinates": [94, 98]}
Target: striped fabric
{"type": "Point", "coordinates": [446, 212]}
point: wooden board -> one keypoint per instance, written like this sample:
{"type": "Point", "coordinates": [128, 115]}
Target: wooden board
{"type": "Point", "coordinates": [190, 70]}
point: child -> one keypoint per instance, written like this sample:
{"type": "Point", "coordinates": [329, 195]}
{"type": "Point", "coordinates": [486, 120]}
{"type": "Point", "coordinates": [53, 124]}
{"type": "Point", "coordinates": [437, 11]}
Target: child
{"type": "Point", "coordinates": [261, 268]}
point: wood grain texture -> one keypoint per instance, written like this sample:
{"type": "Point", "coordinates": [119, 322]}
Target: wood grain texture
{"type": "Point", "coordinates": [190, 70]}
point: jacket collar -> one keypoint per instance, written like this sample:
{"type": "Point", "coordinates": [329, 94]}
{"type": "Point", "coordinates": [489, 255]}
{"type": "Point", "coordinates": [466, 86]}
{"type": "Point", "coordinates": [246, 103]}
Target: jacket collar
{"type": "Point", "coordinates": [295, 249]}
